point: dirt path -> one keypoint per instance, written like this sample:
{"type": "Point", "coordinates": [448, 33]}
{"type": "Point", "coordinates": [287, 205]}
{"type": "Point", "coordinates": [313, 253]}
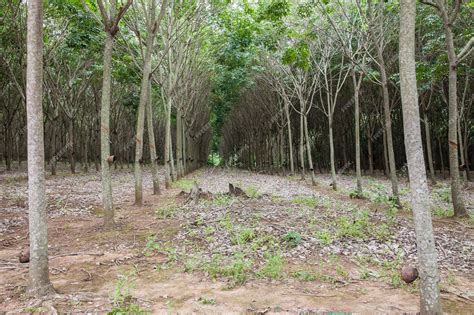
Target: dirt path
{"type": "Point", "coordinates": [289, 248]}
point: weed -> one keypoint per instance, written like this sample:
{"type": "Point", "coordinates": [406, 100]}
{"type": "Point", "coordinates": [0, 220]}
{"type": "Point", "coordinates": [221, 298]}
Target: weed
{"type": "Point", "coordinates": [151, 245]}
{"type": "Point", "coordinates": [273, 268]}
{"type": "Point", "coordinates": [304, 275]}
{"type": "Point", "coordinates": [443, 212]}
{"type": "Point", "coordinates": [293, 238]}
{"type": "Point", "coordinates": [166, 212]}
{"type": "Point", "coordinates": [443, 194]}
{"type": "Point", "coordinates": [265, 241]}
{"type": "Point", "coordinates": [226, 223]}
{"type": "Point", "coordinates": [324, 237]}
{"type": "Point", "coordinates": [123, 297]}
{"type": "Point", "coordinates": [207, 301]}
{"type": "Point", "coordinates": [357, 228]}
{"type": "Point", "coordinates": [184, 184]}
{"type": "Point", "coordinates": [252, 192]}
{"type": "Point", "coordinates": [236, 268]}
{"type": "Point", "coordinates": [342, 272]}
{"type": "Point", "coordinates": [309, 201]}
{"type": "Point", "coordinates": [244, 235]}
{"type": "Point", "coordinates": [222, 200]}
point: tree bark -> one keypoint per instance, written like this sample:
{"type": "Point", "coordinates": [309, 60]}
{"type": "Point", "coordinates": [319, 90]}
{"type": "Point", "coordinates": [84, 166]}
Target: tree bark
{"type": "Point", "coordinates": [420, 195]}
{"type": "Point", "coordinates": [357, 132]}
{"type": "Point", "coordinates": [151, 144]}
{"type": "Point", "coordinates": [456, 194]}
{"type": "Point", "coordinates": [107, 200]}
{"type": "Point", "coordinates": [428, 147]}
{"type": "Point", "coordinates": [141, 120]}
{"type": "Point", "coordinates": [39, 283]}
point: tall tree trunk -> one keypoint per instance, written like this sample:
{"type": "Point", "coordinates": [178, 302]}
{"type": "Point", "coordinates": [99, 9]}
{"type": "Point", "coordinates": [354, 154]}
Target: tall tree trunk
{"type": "Point", "coordinates": [107, 200]}
{"type": "Point", "coordinates": [441, 156]}
{"type": "Point", "coordinates": [141, 120]}
{"type": "Point", "coordinates": [8, 148]}
{"type": "Point", "coordinates": [331, 153]}
{"type": "Point", "coordinates": [357, 132]}
{"type": "Point", "coordinates": [151, 144]}
{"type": "Point", "coordinates": [385, 153]}
{"type": "Point", "coordinates": [72, 159]}
{"type": "Point", "coordinates": [370, 154]}
{"type": "Point", "coordinates": [456, 194]}
{"type": "Point", "coordinates": [290, 139]}
{"type": "Point", "coordinates": [461, 152]}
{"type": "Point", "coordinates": [179, 152]}
{"type": "Point", "coordinates": [428, 147]}
{"type": "Point", "coordinates": [308, 149]}
{"type": "Point", "coordinates": [166, 155]}
{"type": "Point", "coordinates": [420, 195]}
{"type": "Point", "coordinates": [39, 283]}
{"type": "Point", "coordinates": [388, 129]}
{"type": "Point", "coordinates": [301, 148]}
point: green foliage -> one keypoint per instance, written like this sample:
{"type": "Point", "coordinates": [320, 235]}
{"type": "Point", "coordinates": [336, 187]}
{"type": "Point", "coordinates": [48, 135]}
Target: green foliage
{"type": "Point", "coordinates": [293, 238]}
{"type": "Point", "coordinates": [235, 268]}
{"type": "Point", "coordinates": [123, 298]}
{"type": "Point", "coordinates": [324, 237]}
{"type": "Point", "coordinates": [243, 235]}
{"type": "Point", "coordinates": [166, 212]}
{"type": "Point", "coordinates": [222, 200]}
{"type": "Point", "coordinates": [184, 184]}
{"type": "Point", "coordinates": [304, 275]}
{"type": "Point", "coordinates": [309, 201]}
{"type": "Point", "coordinates": [252, 192]}
{"type": "Point", "coordinates": [273, 268]}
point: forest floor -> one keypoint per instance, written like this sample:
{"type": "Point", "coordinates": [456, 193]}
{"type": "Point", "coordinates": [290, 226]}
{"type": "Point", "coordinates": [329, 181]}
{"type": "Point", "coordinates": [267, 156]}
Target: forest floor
{"type": "Point", "coordinates": [285, 247]}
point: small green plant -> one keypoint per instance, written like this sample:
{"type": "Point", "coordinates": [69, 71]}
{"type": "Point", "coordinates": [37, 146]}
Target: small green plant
{"type": "Point", "coordinates": [304, 275]}
{"type": "Point", "coordinates": [207, 301]}
{"type": "Point", "coordinates": [324, 237]}
{"type": "Point", "coordinates": [273, 268]}
{"type": "Point", "coordinates": [244, 235]}
{"type": "Point", "coordinates": [293, 238]}
{"type": "Point", "coordinates": [342, 272]}
{"type": "Point", "coordinates": [166, 212]}
{"type": "Point", "coordinates": [443, 194]}
{"type": "Point", "coordinates": [151, 245]}
{"type": "Point", "coordinates": [184, 184]}
{"type": "Point", "coordinates": [309, 201]}
{"type": "Point", "coordinates": [356, 228]}
{"type": "Point", "coordinates": [123, 299]}
{"type": "Point", "coordinates": [222, 200]}
{"type": "Point", "coordinates": [236, 268]}
{"type": "Point", "coordinates": [252, 192]}
{"type": "Point", "coordinates": [443, 212]}
{"type": "Point", "coordinates": [226, 223]}
{"type": "Point", "coordinates": [268, 241]}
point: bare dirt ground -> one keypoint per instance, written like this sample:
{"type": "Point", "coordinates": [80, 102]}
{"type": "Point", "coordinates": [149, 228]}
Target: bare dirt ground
{"type": "Point", "coordinates": [286, 248]}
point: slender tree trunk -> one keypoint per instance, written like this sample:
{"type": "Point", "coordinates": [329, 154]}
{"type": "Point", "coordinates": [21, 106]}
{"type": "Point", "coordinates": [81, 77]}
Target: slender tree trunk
{"type": "Point", "coordinates": [388, 130]}
{"type": "Point", "coordinates": [441, 157]}
{"type": "Point", "coordinates": [167, 145]}
{"type": "Point", "coordinates": [179, 151]}
{"type": "Point", "coordinates": [308, 149]}
{"type": "Point", "coordinates": [302, 147]}
{"type": "Point", "coordinates": [151, 144]}
{"type": "Point", "coordinates": [72, 159]}
{"type": "Point", "coordinates": [357, 132]}
{"type": "Point", "coordinates": [461, 152]}
{"type": "Point", "coordinates": [420, 195]}
{"type": "Point", "coordinates": [331, 152]}
{"type": "Point", "coordinates": [385, 153]}
{"type": "Point", "coordinates": [53, 149]}
{"type": "Point", "coordinates": [107, 200]}
{"type": "Point", "coordinates": [428, 147]}
{"type": "Point", "coordinates": [138, 164]}
{"type": "Point", "coordinates": [370, 154]}
{"type": "Point", "coordinates": [290, 139]}
{"type": "Point", "coordinates": [456, 194]}
{"type": "Point", "coordinates": [39, 283]}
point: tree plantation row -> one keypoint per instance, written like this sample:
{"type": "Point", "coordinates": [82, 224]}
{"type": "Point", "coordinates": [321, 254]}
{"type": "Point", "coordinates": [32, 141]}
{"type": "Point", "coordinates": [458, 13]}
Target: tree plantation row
{"type": "Point", "coordinates": [287, 87]}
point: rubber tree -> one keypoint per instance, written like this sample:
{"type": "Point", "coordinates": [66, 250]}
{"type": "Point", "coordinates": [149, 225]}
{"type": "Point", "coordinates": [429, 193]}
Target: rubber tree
{"type": "Point", "coordinates": [449, 14]}
{"type": "Point", "coordinates": [420, 194]}
{"type": "Point", "coordinates": [110, 16]}
{"type": "Point", "coordinates": [39, 283]}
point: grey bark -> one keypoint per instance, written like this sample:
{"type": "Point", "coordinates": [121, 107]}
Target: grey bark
{"type": "Point", "coordinates": [39, 283]}
{"type": "Point", "coordinates": [420, 195]}
{"type": "Point", "coordinates": [151, 144]}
